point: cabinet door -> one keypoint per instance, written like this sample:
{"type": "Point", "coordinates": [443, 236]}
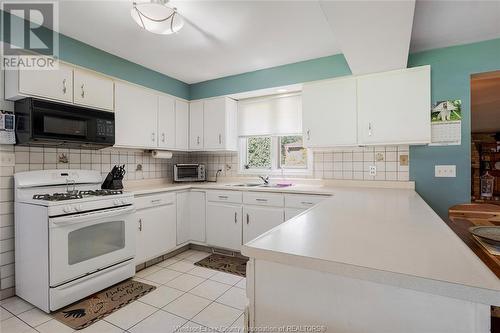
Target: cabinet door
{"type": "Point", "coordinates": [52, 84]}
{"type": "Point", "coordinates": [197, 206]}
{"type": "Point", "coordinates": [196, 126]}
{"type": "Point", "coordinates": [181, 125]}
{"type": "Point", "coordinates": [258, 220]}
{"type": "Point", "coordinates": [156, 232]}
{"type": "Point", "coordinates": [394, 107]}
{"type": "Point", "coordinates": [183, 217]}
{"type": "Point", "coordinates": [329, 113]}
{"type": "Point", "coordinates": [93, 90]}
{"type": "Point", "coordinates": [214, 126]}
{"type": "Point", "coordinates": [166, 122]}
{"type": "Point", "coordinates": [135, 116]}
{"type": "Point", "coordinates": [224, 225]}
{"type": "Point", "coordinates": [291, 212]}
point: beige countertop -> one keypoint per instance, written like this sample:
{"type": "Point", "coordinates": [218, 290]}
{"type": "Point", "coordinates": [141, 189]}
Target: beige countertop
{"type": "Point", "coordinates": [388, 236]}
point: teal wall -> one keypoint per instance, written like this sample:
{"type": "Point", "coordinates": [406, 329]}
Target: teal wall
{"type": "Point", "coordinates": [79, 53]}
{"type": "Point", "coordinates": [451, 70]}
{"type": "Point", "coordinates": [309, 70]}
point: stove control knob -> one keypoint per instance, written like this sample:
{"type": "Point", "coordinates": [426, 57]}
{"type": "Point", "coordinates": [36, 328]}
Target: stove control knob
{"type": "Point", "coordinates": [79, 208]}
{"type": "Point", "coordinates": [67, 209]}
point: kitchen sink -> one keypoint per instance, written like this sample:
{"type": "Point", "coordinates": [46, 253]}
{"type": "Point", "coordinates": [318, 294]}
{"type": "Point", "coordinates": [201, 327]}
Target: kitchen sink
{"type": "Point", "coordinates": [260, 185]}
{"type": "Point", "coordinates": [245, 185]}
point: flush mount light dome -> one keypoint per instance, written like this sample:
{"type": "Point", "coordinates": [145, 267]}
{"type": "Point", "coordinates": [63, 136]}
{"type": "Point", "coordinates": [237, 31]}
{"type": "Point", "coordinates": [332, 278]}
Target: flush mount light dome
{"type": "Point", "coordinates": [157, 17]}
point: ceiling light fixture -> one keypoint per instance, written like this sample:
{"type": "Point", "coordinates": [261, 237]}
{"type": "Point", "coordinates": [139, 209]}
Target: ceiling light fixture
{"type": "Point", "coordinates": [157, 17]}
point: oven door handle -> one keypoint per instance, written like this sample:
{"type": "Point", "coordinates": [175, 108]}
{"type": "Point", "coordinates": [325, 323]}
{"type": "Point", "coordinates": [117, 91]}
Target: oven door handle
{"type": "Point", "coordinates": [79, 218]}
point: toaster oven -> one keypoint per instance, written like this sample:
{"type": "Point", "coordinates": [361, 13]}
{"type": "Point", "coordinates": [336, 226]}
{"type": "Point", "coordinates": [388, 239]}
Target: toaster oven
{"type": "Point", "coordinates": [189, 172]}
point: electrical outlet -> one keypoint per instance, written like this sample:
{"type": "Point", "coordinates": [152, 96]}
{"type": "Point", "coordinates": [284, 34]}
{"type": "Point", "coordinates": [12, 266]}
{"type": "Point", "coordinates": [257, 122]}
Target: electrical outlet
{"type": "Point", "coordinates": [445, 171]}
{"type": "Point", "coordinates": [373, 170]}
{"type": "Point", "coordinates": [7, 159]}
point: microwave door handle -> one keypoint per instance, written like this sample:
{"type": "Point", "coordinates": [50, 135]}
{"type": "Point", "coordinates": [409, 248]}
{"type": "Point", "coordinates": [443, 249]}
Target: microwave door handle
{"type": "Point", "coordinates": [79, 218]}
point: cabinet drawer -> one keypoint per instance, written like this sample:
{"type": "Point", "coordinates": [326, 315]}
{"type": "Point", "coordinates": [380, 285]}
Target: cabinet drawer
{"type": "Point", "coordinates": [224, 196]}
{"type": "Point", "coordinates": [302, 200]}
{"type": "Point", "coordinates": [154, 200]}
{"type": "Point", "coordinates": [263, 199]}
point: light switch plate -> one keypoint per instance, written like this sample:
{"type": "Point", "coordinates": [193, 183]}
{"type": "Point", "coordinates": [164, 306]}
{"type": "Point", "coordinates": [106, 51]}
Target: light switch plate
{"type": "Point", "coordinates": [7, 159]}
{"type": "Point", "coordinates": [448, 171]}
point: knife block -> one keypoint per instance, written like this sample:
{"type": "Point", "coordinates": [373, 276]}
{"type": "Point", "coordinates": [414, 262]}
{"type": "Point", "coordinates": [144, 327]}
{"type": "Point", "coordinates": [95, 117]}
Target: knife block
{"type": "Point", "coordinates": [112, 184]}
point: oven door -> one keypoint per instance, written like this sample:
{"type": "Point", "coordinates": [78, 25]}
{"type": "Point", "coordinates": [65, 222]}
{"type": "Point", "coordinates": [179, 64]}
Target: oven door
{"type": "Point", "coordinates": [81, 244]}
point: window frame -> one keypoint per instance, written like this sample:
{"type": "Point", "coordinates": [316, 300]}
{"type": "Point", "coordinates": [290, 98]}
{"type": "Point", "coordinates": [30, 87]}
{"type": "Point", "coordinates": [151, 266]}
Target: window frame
{"type": "Point", "coordinates": [275, 159]}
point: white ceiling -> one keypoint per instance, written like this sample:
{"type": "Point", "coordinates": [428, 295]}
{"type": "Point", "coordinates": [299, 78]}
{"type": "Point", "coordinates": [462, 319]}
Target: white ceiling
{"type": "Point", "coordinates": [378, 39]}
{"type": "Point", "coordinates": [222, 38]}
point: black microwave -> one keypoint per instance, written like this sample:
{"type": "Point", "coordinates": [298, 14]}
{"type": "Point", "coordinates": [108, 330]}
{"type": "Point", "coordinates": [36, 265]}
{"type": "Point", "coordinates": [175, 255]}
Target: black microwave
{"type": "Point", "coordinates": [46, 123]}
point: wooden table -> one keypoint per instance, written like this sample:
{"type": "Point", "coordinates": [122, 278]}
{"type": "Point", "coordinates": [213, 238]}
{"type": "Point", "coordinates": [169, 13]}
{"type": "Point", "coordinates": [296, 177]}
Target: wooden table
{"type": "Point", "coordinates": [464, 216]}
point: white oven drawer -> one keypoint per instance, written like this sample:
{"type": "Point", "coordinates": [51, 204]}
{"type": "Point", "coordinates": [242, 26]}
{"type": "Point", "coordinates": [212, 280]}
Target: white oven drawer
{"type": "Point", "coordinates": [303, 201]}
{"type": "Point", "coordinates": [224, 196]}
{"type": "Point", "coordinates": [263, 199]}
{"type": "Point", "coordinates": [152, 200]}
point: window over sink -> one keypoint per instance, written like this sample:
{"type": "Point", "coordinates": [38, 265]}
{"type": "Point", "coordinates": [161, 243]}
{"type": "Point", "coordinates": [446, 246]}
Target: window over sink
{"type": "Point", "coordinates": [270, 131]}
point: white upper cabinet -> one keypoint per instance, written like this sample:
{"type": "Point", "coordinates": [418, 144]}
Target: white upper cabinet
{"type": "Point", "coordinates": [166, 122]}
{"type": "Point", "coordinates": [196, 125]}
{"type": "Point", "coordinates": [50, 84]}
{"type": "Point", "coordinates": [219, 126]}
{"type": "Point", "coordinates": [329, 113]}
{"type": "Point", "coordinates": [135, 116]}
{"type": "Point", "coordinates": [181, 125]}
{"type": "Point", "coordinates": [93, 90]}
{"type": "Point", "coordinates": [394, 107]}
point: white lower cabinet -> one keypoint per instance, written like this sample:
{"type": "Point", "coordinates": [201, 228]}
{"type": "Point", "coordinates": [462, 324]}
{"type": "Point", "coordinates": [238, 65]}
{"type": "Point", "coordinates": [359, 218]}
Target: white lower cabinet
{"type": "Point", "coordinates": [190, 216]}
{"type": "Point", "coordinates": [156, 226]}
{"type": "Point", "coordinates": [259, 219]}
{"type": "Point", "coordinates": [183, 219]}
{"type": "Point", "coordinates": [197, 216]}
{"type": "Point", "coordinates": [292, 212]}
{"type": "Point", "coordinates": [224, 225]}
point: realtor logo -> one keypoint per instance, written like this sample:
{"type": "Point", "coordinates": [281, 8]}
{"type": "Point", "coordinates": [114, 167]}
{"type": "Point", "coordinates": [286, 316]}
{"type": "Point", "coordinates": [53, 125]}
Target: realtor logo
{"type": "Point", "coordinates": [28, 34]}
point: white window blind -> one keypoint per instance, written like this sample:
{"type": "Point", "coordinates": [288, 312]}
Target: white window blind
{"type": "Point", "coordinates": [276, 115]}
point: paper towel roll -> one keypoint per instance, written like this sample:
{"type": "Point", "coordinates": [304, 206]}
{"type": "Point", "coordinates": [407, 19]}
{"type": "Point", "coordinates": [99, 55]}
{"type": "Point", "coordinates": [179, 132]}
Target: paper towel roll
{"type": "Point", "coordinates": [161, 154]}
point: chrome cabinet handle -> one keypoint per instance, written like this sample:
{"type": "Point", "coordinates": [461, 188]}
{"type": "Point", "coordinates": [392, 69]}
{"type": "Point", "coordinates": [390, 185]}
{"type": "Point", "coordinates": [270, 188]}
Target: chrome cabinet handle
{"type": "Point", "coordinates": [83, 90]}
{"type": "Point", "coordinates": [222, 196]}
{"type": "Point", "coordinates": [198, 140]}
{"type": "Point", "coordinates": [140, 224]}
{"type": "Point", "coordinates": [308, 134]}
{"type": "Point", "coordinates": [306, 203]}
{"type": "Point", "coordinates": [153, 137]}
{"type": "Point", "coordinates": [155, 201]}
{"type": "Point", "coordinates": [370, 129]}
{"type": "Point", "coordinates": [261, 200]}
{"type": "Point", "coordinates": [235, 217]}
{"type": "Point", "coordinates": [220, 138]}
{"type": "Point", "coordinates": [248, 218]}
{"type": "Point", "coordinates": [162, 137]}
{"type": "Point", "coordinates": [64, 86]}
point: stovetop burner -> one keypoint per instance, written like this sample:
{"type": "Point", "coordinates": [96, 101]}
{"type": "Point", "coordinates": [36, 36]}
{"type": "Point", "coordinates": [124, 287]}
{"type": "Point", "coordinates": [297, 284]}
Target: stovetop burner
{"type": "Point", "coordinates": [77, 195]}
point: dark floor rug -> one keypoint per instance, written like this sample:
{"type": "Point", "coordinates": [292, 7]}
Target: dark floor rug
{"type": "Point", "coordinates": [95, 307]}
{"type": "Point", "coordinates": [228, 264]}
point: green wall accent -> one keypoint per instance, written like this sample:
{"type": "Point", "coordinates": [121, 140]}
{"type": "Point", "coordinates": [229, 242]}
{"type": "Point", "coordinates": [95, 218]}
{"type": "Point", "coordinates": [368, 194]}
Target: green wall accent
{"type": "Point", "coordinates": [451, 68]}
{"type": "Point", "coordinates": [79, 53]}
{"type": "Point", "coordinates": [309, 70]}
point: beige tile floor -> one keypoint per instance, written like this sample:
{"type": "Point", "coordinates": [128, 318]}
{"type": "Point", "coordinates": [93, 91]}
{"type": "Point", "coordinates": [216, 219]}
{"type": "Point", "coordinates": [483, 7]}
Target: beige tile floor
{"type": "Point", "coordinates": [187, 299]}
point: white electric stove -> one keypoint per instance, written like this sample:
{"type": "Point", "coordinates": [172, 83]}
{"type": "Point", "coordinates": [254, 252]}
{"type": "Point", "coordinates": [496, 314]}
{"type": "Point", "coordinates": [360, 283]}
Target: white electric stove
{"type": "Point", "coordinates": [72, 238]}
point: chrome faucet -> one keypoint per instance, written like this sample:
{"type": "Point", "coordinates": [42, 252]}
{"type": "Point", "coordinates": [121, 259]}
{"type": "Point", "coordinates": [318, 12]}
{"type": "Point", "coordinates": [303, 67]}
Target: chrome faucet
{"type": "Point", "coordinates": [265, 179]}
